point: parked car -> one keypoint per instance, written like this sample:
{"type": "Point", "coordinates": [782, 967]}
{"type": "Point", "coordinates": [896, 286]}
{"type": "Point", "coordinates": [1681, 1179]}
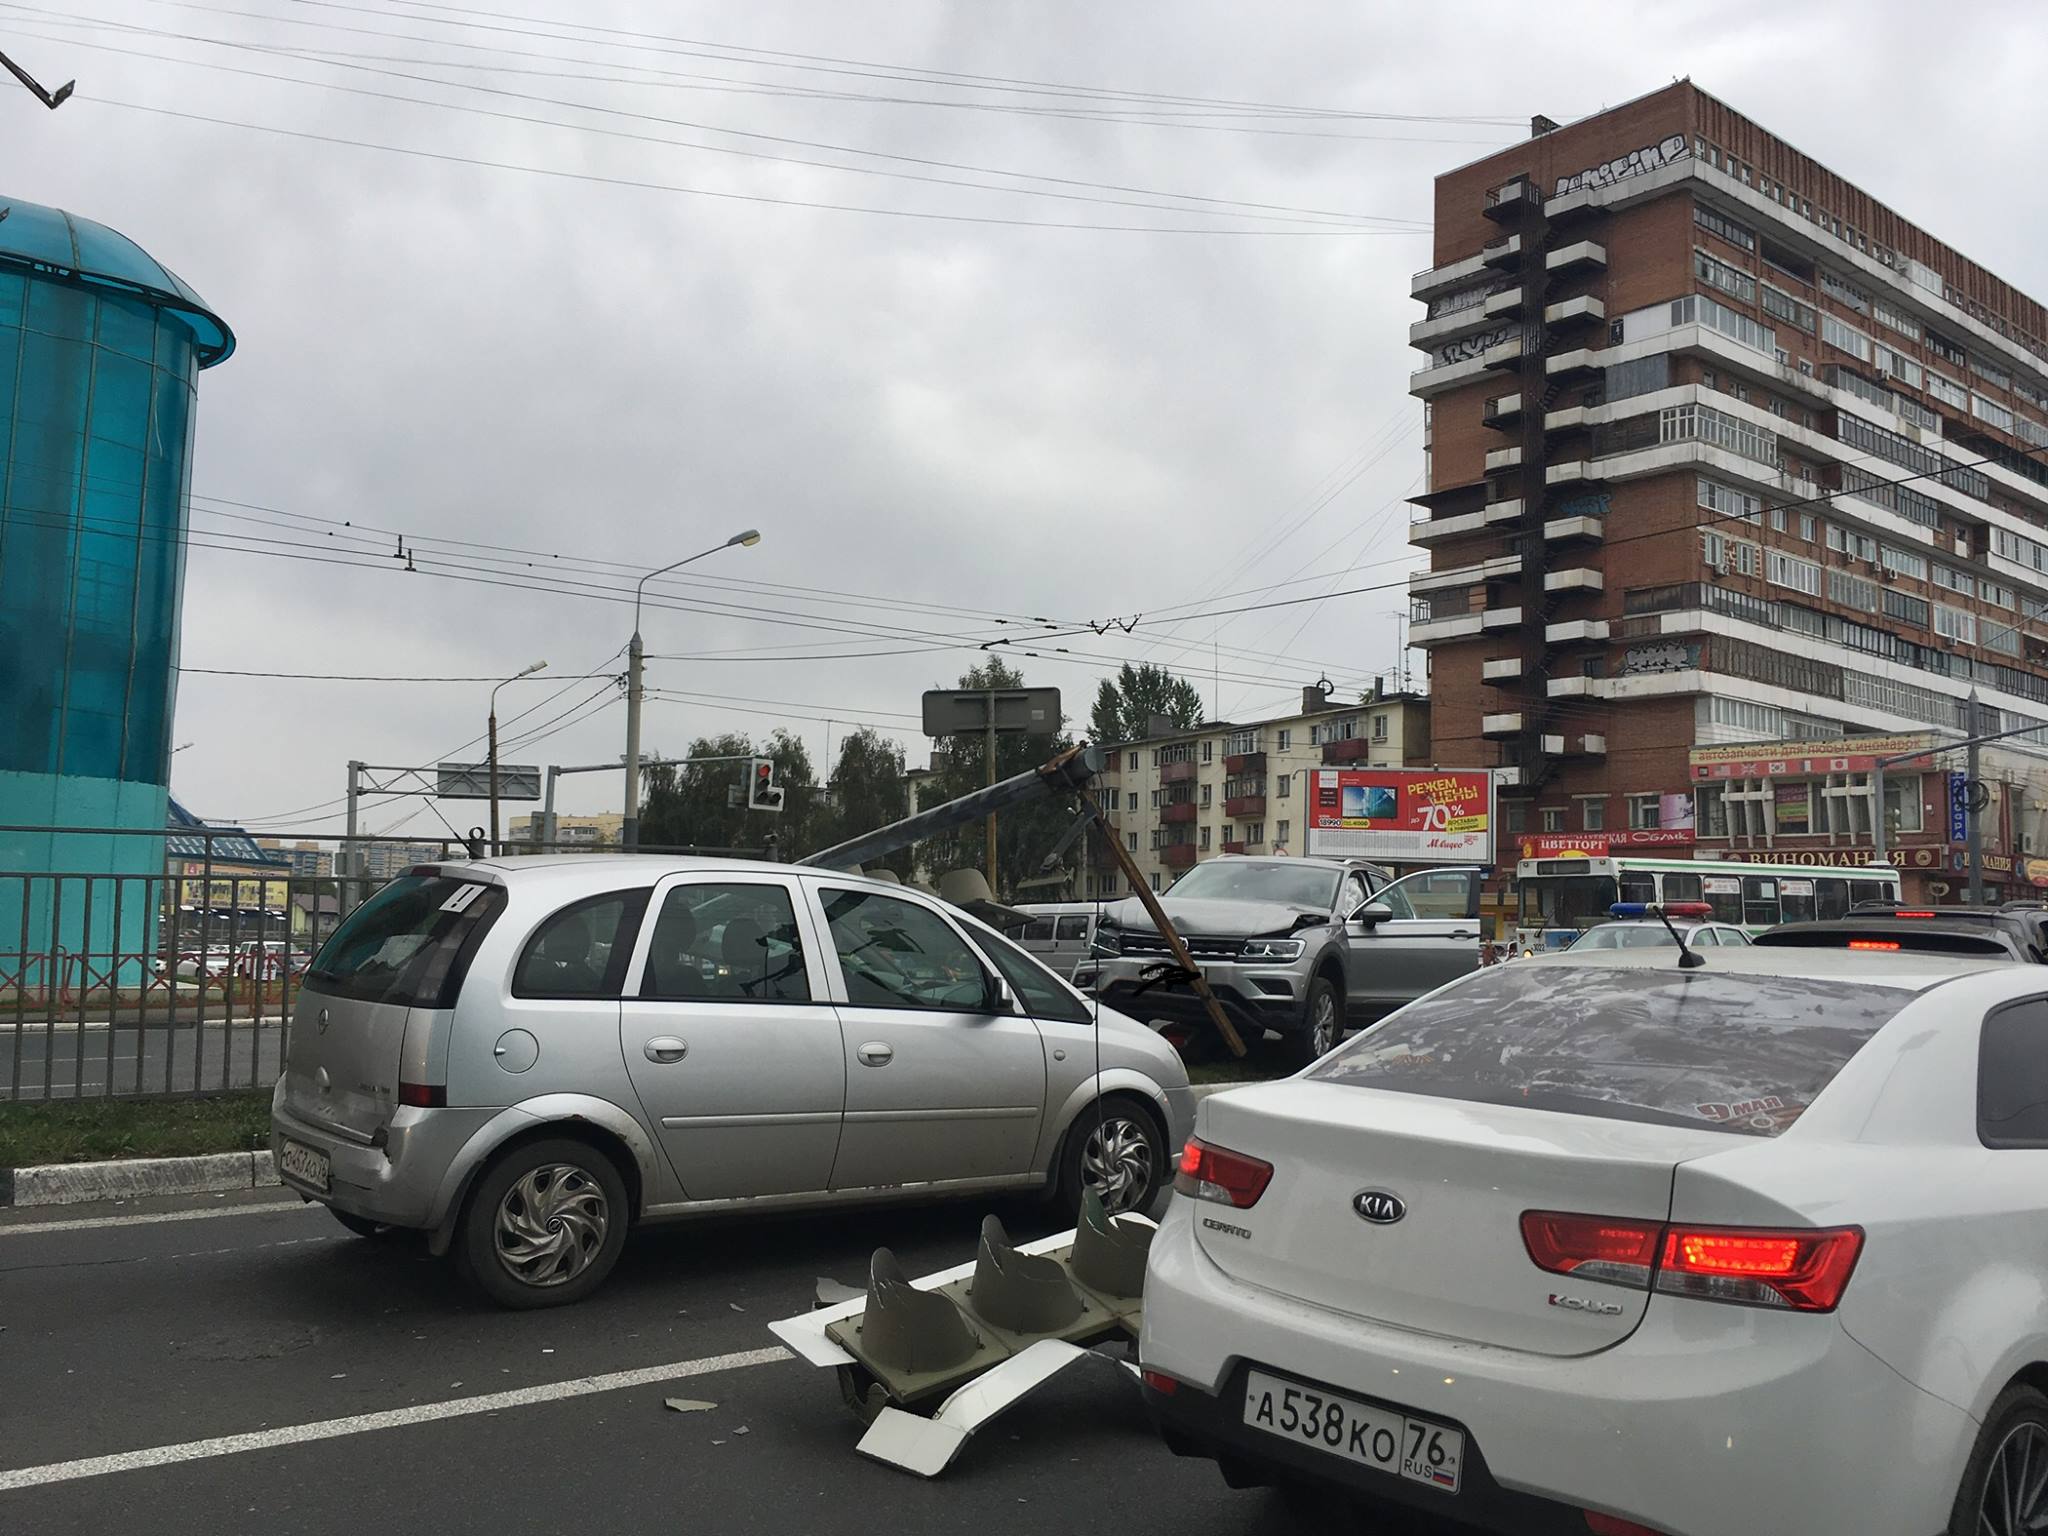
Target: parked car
{"type": "Point", "coordinates": [525, 1058]}
{"type": "Point", "coordinates": [1607, 1245]}
{"type": "Point", "coordinates": [1633, 930]}
{"type": "Point", "coordinates": [1304, 947]}
{"type": "Point", "coordinates": [1060, 933]}
{"type": "Point", "coordinates": [2015, 932]}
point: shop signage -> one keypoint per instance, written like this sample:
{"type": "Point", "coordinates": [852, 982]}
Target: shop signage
{"type": "Point", "coordinates": [1800, 759]}
{"type": "Point", "coordinates": [1958, 807]}
{"type": "Point", "coordinates": [1601, 845]}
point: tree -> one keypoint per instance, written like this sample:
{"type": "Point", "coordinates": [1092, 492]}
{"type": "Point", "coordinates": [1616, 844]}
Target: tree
{"type": "Point", "coordinates": [868, 790]}
{"type": "Point", "coordinates": [1126, 703]}
{"type": "Point", "coordinates": [1025, 833]}
{"type": "Point", "coordinates": [702, 804]}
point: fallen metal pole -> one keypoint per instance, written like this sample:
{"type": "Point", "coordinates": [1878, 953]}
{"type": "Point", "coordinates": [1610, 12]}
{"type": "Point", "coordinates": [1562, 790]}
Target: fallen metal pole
{"type": "Point", "coordinates": [1142, 889]}
{"type": "Point", "coordinates": [1066, 774]}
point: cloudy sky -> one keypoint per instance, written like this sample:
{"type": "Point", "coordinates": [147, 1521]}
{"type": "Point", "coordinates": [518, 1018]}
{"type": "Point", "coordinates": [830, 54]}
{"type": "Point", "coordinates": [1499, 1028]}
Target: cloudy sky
{"type": "Point", "coordinates": [538, 348]}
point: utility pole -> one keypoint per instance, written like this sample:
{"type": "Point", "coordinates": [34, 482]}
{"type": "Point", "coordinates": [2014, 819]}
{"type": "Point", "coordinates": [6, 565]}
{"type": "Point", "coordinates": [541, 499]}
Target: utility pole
{"type": "Point", "coordinates": [350, 855]}
{"type": "Point", "coordinates": [1975, 821]}
{"type": "Point", "coordinates": [992, 779]}
{"type": "Point", "coordinates": [629, 830]}
{"type": "Point", "coordinates": [496, 847]}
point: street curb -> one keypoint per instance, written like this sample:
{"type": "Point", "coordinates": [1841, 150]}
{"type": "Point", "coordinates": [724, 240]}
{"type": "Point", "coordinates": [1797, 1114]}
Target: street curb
{"type": "Point", "coordinates": [131, 1178]}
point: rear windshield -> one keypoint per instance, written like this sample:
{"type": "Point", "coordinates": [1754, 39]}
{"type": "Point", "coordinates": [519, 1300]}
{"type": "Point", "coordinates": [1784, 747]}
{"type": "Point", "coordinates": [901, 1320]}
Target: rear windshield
{"type": "Point", "coordinates": [1733, 1053]}
{"type": "Point", "coordinates": [408, 943]}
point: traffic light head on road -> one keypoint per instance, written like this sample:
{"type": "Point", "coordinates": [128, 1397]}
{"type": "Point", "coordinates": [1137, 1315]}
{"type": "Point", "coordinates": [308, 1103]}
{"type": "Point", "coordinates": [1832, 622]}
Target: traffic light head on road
{"type": "Point", "coordinates": [763, 793]}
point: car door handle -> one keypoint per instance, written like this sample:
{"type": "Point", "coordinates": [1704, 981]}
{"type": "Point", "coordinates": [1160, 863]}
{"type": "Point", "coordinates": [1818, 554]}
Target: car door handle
{"type": "Point", "coordinates": [876, 1053]}
{"type": "Point", "coordinates": [1460, 933]}
{"type": "Point", "coordinates": [666, 1048]}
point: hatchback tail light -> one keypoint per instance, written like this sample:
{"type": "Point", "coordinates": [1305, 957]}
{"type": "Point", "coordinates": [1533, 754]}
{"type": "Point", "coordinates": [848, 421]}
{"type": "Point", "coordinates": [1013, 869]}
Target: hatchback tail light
{"type": "Point", "coordinates": [1216, 1173]}
{"type": "Point", "coordinates": [423, 1095]}
{"type": "Point", "coordinates": [1592, 1247]}
{"type": "Point", "coordinates": [1800, 1269]}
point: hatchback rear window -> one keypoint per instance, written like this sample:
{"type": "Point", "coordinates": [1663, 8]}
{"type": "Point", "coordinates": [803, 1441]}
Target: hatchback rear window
{"type": "Point", "coordinates": [1735, 1053]}
{"type": "Point", "coordinates": [408, 944]}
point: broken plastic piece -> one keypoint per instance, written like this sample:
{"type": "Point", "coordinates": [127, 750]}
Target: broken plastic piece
{"type": "Point", "coordinates": [1016, 1291]}
{"type": "Point", "coordinates": [908, 1330]}
{"type": "Point", "coordinates": [688, 1404]}
{"type": "Point", "coordinates": [1109, 1252]}
{"type": "Point", "coordinates": [928, 1446]}
{"type": "Point", "coordinates": [831, 1293]}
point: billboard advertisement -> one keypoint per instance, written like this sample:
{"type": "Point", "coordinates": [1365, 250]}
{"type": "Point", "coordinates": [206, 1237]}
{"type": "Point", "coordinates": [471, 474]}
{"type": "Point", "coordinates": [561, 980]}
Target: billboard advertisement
{"type": "Point", "coordinates": [1402, 815]}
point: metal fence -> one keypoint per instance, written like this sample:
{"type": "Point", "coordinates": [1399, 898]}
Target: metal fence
{"type": "Point", "coordinates": [176, 978]}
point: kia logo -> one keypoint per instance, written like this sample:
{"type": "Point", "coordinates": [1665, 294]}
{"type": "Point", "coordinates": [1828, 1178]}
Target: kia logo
{"type": "Point", "coordinates": [1379, 1207]}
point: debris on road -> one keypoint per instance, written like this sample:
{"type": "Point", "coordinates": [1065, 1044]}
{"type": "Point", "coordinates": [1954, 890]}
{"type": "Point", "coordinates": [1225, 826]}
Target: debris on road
{"type": "Point", "coordinates": [688, 1404]}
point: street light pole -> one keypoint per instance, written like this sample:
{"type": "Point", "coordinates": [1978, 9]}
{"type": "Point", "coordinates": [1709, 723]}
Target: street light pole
{"type": "Point", "coordinates": [523, 672]}
{"type": "Point", "coordinates": [629, 830]}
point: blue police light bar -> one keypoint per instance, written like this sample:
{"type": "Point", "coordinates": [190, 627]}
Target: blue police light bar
{"type": "Point", "coordinates": [1631, 909]}
{"type": "Point", "coordinates": [1669, 909]}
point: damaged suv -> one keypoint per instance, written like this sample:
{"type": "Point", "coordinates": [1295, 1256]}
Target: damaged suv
{"type": "Point", "coordinates": [1305, 947]}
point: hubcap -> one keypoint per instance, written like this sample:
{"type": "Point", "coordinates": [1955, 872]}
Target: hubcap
{"type": "Point", "coordinates": [551, 1224]}
{"type": "Point", "coordinates": [2015, 1498]}
{"type": "Point", "coordinates": [1117, 1163]}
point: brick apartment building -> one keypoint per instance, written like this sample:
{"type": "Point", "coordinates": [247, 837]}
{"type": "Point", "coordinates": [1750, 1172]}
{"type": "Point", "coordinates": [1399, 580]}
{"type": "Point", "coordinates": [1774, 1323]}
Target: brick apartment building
{"type": "Point", "coordinates": [1223, 788]}
{"type": "Point", "coordinates": [1675, 374]}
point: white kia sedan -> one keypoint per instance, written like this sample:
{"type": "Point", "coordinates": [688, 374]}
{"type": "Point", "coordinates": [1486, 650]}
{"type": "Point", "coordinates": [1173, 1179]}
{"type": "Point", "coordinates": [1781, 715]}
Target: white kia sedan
{"type": "Point", "coordinates": [1605, 1245]}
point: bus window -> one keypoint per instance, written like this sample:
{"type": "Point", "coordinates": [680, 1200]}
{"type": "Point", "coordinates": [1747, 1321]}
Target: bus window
{"type": "Point", "coordinates": [1575, 901]}
{"type": "Point", "coordinates": [1639, 886]}
{"type": "Point", "coordinates": [1724, 894]}
{"type": "Point", "coordinates": [1832, 897]}
{"type": "Point", "coordinates": [1796, 900]}
{"type": "Point", "coordinates": [1871, 890]}
{"type": "Point", "coordinates": [1681, 887]}
{"type": "Point", "coordinates": [1759, 901]}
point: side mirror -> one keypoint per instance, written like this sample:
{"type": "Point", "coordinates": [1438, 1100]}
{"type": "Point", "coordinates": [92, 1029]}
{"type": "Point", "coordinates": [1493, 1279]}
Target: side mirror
{"type": "Point", "coordinates": [1373, 912]}
{"type": "Point", "coordinates": [1002, 997]}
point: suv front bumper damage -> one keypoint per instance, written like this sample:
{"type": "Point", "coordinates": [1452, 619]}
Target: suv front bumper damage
{"type": "Point", "coordinates": [1255, 996]}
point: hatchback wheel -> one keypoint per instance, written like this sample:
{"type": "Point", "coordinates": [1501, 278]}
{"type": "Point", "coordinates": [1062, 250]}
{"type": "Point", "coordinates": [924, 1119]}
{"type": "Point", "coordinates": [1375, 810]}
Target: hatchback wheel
{"type": "Point", "coordinates": [2005, 1487]}
{"type": "Point", "coordinates": [1116, 1149]}
{"type": "Point", "coordinates": [545, 1225]}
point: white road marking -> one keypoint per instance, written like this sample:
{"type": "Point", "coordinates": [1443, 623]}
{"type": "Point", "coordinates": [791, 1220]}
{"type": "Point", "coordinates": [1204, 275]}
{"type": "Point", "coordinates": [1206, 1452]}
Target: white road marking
{"type": "Point", "coordinates": [148, 1218]}
{"type": "Point", "coordinates": [393, 1418]}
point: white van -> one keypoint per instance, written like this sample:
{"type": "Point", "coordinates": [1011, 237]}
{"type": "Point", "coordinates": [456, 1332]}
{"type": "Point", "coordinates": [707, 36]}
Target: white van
{"type": "Point", "coordinates": [1060, 933]}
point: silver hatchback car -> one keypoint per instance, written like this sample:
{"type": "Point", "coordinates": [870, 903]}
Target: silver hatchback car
{"type": "Point", "coordinates": [525, 1057]}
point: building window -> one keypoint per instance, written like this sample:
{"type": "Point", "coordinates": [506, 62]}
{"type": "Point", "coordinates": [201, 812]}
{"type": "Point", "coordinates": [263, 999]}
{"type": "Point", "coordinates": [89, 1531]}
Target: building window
{"type": "Point", "coordinates": [1903, 562]}
{"type": "Point", "coordinates": [1957, 624]}
{"type": "Point", "coordinates": [1991, 411]}
{"type": "Point", "coordinates": [1208, 751]}
{"type": "Point", "coordinates": [1698, 309]}
{"type": "Point", "coordinates": [1947, 391]}
{"type": "Point", "coordinates": [1644, 813]}
{"type": "Point", "coordinates": [1131, 841]}
{"type": "Point", "coordinates": [1133, 763]}
{"type": "Point", "coordinates": [1514, 815]}
{"type": "Point", "coordinates": [1281, 831]}
{"type": "Point", "coordinates": [1155, 882]}
{"type": "Point", "coordinates": [1730, 280]}
{"type": "Point", "coordinates": [1379, 727]}
{"type": "Point", "coordinates": [1285, 739]}
{"type": "Point", "coordinates": [1553, 818]}
{"type": "Point", "coordinates": [1782, 306]}
{"type": "Point", "coordinates": [1254, 833]}
{"type": "Point", "coordinates": [1731, 557]}
{"type": "Point", "coordinates": [1131, 800]}
{"type": "Point", "coordinates": [1716, 223]}
{"type": "Point", "coordinates": [1783, 570]}
{"type": "Point", "coordinates": [1285, 788]}
{"type": "Point", "coordinates": [1204, 844]}
{"type": "Point", "coordinates": [1844, 293]}
{"type": "Point", "coordinates": [1728, 502]}
{"type": "Point", "coordinates": [1845, 337]}
{"type": "Point", "coordinates": [1852, 591]}
{"type": "Point", "coordinates": [1207, 790]}
{"type": "Point", "coordinates": [1593, 815]}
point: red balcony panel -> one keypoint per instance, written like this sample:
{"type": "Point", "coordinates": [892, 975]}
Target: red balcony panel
{"type": "Point", "coordinates": [1244, 762]}
{"type": "Point", "coordinates": [1244, 805]}
{"type": "Point", "coordinates": [1176, 773]}
{"type": "Point", "coordinates": [1177, 855]}
{"type": "Point", "coordinates": [1230, 847]}
{"type": "Point", "coordinates": [1351, 751]}
{"type": "Point", "coordinates": [1182, 811]}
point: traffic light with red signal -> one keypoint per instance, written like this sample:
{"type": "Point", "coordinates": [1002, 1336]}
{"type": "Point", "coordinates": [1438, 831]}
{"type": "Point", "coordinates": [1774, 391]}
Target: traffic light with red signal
{"type": "Point", "coordinates": [763, 793]}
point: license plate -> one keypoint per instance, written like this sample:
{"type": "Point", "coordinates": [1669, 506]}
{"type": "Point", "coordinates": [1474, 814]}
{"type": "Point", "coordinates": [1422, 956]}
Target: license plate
{"type": "Point", "coordinates": [1374, 1437]}
{"type": "Point", "coordinates": [303, 1164]}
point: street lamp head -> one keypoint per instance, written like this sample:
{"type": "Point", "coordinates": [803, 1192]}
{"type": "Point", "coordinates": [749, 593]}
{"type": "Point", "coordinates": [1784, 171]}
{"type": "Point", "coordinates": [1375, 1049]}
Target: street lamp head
{"type": "Point", "coordinates": [536, 667]}
{"type": "Point", "coordinates": [750, 538]}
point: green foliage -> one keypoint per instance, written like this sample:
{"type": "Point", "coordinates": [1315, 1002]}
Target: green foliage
{"type": "Point", "coordinates": [1024, 834]}
{"type": "Point", "coordinates": [692, 804]}
{"type": "Point", "coordinates": [868, 790]}
{"type": "Point", "coordinates": [1126, 703]}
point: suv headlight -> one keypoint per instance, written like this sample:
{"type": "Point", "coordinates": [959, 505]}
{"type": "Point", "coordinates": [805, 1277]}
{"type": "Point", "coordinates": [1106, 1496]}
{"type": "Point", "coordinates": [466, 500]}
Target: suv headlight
{"type": "Point", "coordinates": [1273, 949]}
{"type": "Point", "coordinates": [1108, 941]}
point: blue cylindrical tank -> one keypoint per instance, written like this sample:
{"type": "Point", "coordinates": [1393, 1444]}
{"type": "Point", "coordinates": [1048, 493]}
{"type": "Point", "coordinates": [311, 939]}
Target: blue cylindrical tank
{"type": "Point", "coordinates": [100, 347]}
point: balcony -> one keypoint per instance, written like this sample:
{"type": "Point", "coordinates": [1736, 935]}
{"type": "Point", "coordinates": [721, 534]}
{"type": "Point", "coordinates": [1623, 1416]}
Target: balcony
{"type": "Point", "coordinates": [1177, 773]}
{"type": "Point", "coordinates": [1178, 855]}
{"type": "Point", "coordinates": [1583, 310]}
{"type": "Point", "coordinates": [1501, 725]}
{"type": "Point", "coordinates": [1244, 762]}
{"type": "Point", "coordinates": [1576, 632]}
{"type": "Point", "coordinates": [1502, 411]}
{"type": "Point", "coordinates": [1501, 672]}
{"type": "Point", "coordinates": [1511, 200]}
{"type": "Point", "coordinates": [1575, 746]}
{"type": "Point", "coordinates": [1569, 472]}
{"type": "Point", "coordinates": [1581, 256]}
{"type": "Point", "coordinates": [1577, 578]}
{"type": "Point", "coordinates": [1244, 805]}
{"type": "Point", "coordinates": [1502, 354]}
{"type": "Point", "coordinates": [1501, 618]}
{"type": "Point", "coordinates": [1566, 530]}
{"type": "Point", "coordinates": [1500, 460]}
{"type": "Point", "coordinates": [1502, 305]}
{"type": "Point", "coordinates": [1234, 847]}
{"type": "Point", "coordinates": [1178, 811]}
{"type": "Point", "coordinates": [1431, 281]}
{"type": "Point", "coordinates": [1435, 530]}
{"type": "Point", "coordinates": [1502, 255]}
{"type": "Point", "coordinates": [1353, 749]}
{"type": "Point", "coordinates": [1581, 363]}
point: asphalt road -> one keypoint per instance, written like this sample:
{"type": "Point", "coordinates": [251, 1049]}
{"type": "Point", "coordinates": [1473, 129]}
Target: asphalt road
{"type": "Point", "coordinates": [159, 1324]}
{"type": "Point", "coordinates": [176, 1058]}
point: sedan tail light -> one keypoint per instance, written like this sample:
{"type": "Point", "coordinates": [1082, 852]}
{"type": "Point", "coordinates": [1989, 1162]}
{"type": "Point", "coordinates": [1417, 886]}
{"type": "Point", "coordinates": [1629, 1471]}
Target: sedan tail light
{"type": "Point", "coordinates": [1799, 1269]}
{"type": "Point", "coordinates": [1216, 1173]}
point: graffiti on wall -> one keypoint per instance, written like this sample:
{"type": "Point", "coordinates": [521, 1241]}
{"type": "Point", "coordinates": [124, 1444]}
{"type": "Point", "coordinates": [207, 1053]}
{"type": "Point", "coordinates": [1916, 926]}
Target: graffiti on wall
{"type": "Point", "coordinates": [1591, 504]}
{"type": "Point", "coordinates": [1650, 157]}
{"type": "Point", "coordinates": [1670, 656]}
{"type": "Point", "coordinates": [1471, 346]}
{"type": "Point", "coordinates": [1461, 299]}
